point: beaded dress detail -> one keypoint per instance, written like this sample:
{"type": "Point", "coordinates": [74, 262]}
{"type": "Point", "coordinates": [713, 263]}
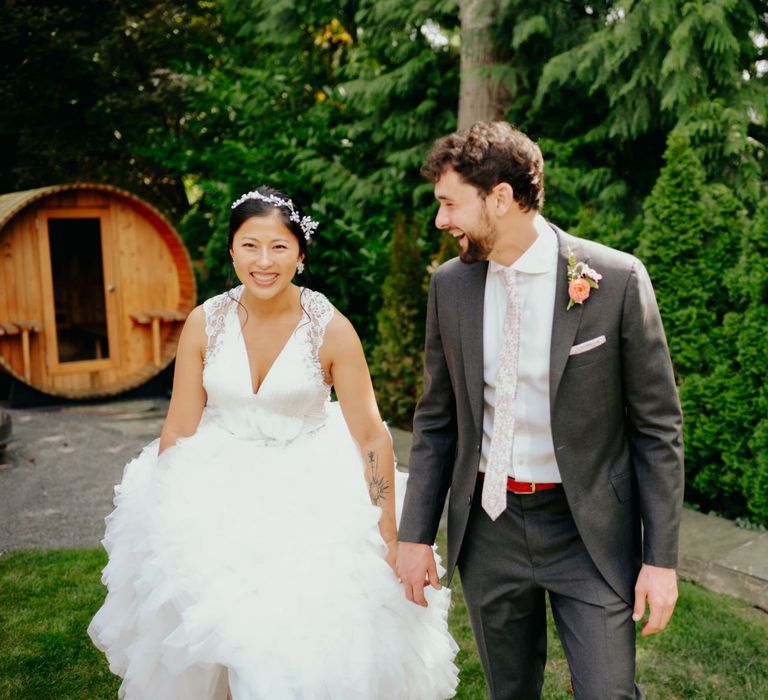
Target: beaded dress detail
{"type": "Point", "coordinates": [249, 552]}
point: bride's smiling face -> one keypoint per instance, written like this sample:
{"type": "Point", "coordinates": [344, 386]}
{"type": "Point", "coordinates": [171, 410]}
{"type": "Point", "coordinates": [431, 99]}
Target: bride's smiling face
{"type": "Point", "coordinates": [265, 253]}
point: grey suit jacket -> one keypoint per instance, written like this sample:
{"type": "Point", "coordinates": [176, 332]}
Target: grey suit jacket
{"type": "Point", "coordinates": [615, 414]}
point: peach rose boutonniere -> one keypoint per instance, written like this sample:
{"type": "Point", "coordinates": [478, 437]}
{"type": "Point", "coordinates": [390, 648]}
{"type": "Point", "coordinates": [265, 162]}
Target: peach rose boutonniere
{"type": "Point", "coordinates": [582, 279]}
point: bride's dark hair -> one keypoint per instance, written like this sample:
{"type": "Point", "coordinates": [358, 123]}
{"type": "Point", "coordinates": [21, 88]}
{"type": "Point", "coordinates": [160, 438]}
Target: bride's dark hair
{"type": "Point", "coordinates": [250, 206]}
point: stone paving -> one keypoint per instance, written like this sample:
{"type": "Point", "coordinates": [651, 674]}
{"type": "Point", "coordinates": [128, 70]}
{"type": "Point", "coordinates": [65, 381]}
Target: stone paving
{"type": "Point", "coordinates": [59, 468]}
{"type": "Point", "coordinates": [58, 471]}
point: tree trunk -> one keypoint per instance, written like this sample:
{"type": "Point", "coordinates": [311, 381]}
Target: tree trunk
{"type": "Point", "coordinates": [481, 98]}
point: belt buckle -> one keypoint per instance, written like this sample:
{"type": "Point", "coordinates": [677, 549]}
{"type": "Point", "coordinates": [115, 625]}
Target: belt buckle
{"type": "Point", "coordinates": [518, 484]}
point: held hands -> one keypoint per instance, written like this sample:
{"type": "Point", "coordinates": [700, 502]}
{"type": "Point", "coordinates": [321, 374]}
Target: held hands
{"type": "Point", "coordinates": [658, 587]}
{"type": "Point", "coordinates": [391, 555]}
{"type": "Point", "coordinates": [416, 569]}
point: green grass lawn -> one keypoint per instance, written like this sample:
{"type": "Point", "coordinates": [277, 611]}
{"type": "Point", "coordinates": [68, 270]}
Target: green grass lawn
{"type": "Point", "coordinates": [716, 646]}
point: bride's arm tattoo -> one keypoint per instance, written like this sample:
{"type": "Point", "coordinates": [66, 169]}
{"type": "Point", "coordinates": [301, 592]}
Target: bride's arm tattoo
{"type": "Point", "coordinates": [378, 485]}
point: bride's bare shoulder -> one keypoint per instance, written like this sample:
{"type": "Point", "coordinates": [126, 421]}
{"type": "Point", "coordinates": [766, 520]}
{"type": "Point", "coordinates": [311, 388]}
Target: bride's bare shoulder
{"type": "Point", "coordinates": [340, 334]}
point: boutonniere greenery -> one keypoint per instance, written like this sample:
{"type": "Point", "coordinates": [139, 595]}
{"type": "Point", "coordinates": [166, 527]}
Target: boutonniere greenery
{"type": "Point", "coordinates": [582, 279]}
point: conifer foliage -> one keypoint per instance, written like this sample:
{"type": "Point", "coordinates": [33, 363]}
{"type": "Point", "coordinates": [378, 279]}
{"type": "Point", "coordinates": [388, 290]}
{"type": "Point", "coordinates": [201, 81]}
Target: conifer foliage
{"type": "Point", "coordinates": [396, 361]}
{"type": "Point", "coordinates": [706, 260]}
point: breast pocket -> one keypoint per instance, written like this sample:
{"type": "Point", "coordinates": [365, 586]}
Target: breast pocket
{"type": "Point", "coordinates": [588, 357]}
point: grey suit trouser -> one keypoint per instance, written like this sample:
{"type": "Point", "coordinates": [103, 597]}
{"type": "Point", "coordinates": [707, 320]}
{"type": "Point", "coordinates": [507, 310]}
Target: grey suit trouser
{"type": "Point", "coordinates": [506, 568]}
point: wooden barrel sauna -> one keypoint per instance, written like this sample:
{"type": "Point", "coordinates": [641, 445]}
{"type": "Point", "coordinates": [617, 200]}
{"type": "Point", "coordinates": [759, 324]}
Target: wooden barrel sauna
{"type": "Point", "coordinates": [94, 287]}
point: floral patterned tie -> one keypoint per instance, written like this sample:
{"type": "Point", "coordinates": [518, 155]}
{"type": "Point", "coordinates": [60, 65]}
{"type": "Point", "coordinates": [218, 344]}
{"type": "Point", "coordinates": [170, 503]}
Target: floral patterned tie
{"type": "Point", "coordinates": [494, 498]}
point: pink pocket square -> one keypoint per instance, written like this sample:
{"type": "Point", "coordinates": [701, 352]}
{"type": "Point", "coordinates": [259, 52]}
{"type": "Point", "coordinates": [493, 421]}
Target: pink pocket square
{"type": "Point", "coordinates": [587, 345]}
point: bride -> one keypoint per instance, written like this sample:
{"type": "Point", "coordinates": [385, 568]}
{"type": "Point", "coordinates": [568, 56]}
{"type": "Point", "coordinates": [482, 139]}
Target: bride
{"type": "Point", "coordinates": [252, 557]}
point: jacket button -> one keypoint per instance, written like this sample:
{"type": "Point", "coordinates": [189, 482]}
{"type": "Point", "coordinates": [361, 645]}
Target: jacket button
{"type": "Point", "coordinates": [469, 500]}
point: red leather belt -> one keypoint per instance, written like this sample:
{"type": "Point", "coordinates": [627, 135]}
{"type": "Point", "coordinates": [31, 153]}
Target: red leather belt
{"type": "Point", "coordinates": [524, 487]}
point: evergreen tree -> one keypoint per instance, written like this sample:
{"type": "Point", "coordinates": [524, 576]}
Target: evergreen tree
{"type": "Point", "coordinates": [743, 372]}
{"type": "Point", "coordinates": [706, 260]}
{"type": "Point", "coordinates": [671, 242]}
{"type": "Point", "coordinates": [396, 364]}
{"type": "Point", "coordinates": [718, 405]}
{"type": "Point", "coordinates": [664, 64]}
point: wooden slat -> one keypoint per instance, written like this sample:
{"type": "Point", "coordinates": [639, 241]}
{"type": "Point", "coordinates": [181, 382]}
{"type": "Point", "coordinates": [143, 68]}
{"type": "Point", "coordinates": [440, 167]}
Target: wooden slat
{"type": "Point", "coordinates": [134, 349]}
{"type": "Point", "coordinates": [34, 310]}
{"type": "Point", "coordinates": [156, 341]}
{"type": "Point", "coordinates": [11, 279]}
{"type": "Point", "coordinates": [46, 297]}
{"type": "Point", "coordinates": [108, 262]}
{"type": "Point", "coordinates": [92, 198]}
{"type": "Point", "coordinates": [25, 354]}
{"type": "Point", "coordinates": [13, 240]}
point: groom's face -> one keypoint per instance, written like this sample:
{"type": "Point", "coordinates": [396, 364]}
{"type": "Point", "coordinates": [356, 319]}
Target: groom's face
{"type": "Point", "coordinates": [463, 214]}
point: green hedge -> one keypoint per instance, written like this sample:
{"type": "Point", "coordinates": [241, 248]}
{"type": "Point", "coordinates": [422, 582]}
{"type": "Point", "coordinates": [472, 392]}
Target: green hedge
{"type": "Point", "coordinates": [706, 256]}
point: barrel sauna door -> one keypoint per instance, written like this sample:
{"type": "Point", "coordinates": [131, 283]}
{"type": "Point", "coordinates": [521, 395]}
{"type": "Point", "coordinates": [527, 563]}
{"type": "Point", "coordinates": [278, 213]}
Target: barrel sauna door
{"type": "Point", "coordinates": [78, 290]}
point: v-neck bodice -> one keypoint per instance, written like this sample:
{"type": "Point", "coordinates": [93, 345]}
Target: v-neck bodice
{"type": "Point", "coordinates": [277, 359]}
{"type": "Point", "coordinates": [292, 396]}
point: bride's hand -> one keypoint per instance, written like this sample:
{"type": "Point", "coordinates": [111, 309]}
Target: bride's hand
{"type": "Point", "coordinates": [391, 555]}
{"type": "Point", "coordinates": [416, 568]}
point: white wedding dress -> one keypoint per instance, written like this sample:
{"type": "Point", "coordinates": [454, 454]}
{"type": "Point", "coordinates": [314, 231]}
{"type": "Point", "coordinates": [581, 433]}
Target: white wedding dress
{"type": "Point", "coordinates": [249, 552]}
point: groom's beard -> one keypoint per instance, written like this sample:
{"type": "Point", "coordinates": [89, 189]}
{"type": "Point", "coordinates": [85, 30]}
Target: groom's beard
{"type": "Point", "coordinates": [479, 244]}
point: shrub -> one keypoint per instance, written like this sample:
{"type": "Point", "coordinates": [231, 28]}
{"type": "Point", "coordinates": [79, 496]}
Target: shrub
{"type": "Point", "coordinates": [706, 260]}
{"type": "Point", "coordinates": [397, 359]}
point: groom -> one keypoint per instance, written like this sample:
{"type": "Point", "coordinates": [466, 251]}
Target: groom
{"type": "Point", "coordinates": [550, 414]}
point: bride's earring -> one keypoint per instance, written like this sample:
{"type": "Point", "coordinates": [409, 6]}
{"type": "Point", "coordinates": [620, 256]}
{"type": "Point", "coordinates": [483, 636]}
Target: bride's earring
{"type": "Point", "coordinates": [299, 267]}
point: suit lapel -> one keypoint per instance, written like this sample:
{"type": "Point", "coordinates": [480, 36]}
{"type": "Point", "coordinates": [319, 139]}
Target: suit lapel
{"type": "Point", "coordinates": [565, 324]}
{"type": "Point", "coordinates": [471, 305]}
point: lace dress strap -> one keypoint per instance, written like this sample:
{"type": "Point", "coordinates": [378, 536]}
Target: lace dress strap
{"type": "Point", "coordinates": [320, 312]}
{"type": "Point", "coordinates": [217, 309]}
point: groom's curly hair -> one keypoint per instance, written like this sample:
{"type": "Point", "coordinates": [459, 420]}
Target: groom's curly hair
{"type": "Point", "coordinates": [489, 153]}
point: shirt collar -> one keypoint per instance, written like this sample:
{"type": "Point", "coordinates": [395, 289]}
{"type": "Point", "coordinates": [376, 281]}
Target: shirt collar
{"type": "Point", "coordinates": [540, 257]}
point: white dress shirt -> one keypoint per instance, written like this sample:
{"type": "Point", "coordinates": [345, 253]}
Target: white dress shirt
{"type": "Point", "coordinates": [533, 455]}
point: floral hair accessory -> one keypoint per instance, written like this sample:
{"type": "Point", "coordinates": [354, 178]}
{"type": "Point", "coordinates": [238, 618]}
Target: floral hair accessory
{"type": "Point", "coordinates": [582, 279]}
{"type": "Point", "coordinates": [306, 223]}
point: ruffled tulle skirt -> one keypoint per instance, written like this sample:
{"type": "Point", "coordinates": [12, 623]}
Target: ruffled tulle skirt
{"type": "Point", "coordinates": [261, 566]}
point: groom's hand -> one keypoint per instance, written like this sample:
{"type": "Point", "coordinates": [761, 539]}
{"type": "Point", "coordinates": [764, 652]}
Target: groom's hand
{"type": "Point", "coordinates": [416, 568]}
{"type": "Point", "coordinates": [658, 587]}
